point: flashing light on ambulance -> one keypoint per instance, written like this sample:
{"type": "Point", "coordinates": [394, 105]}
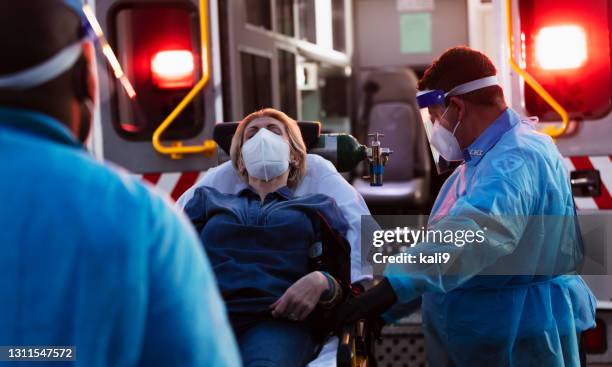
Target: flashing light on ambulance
{"type": "Point", "coordinates": [173, 69]}
{"type": "Point", "coordinates": [561, 47]}
{"type": "Point", "coordinates": [566, 49]}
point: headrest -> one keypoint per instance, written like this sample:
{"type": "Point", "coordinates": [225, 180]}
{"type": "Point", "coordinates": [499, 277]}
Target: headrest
{"type": "Point", "coordinates": [391, 86]}
{"type": "Point", "coordinates": [224, 132]}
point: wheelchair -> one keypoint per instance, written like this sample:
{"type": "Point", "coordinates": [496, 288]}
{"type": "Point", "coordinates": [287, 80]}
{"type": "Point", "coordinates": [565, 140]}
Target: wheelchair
{"type": "Point", "coordinates": [356, 341]}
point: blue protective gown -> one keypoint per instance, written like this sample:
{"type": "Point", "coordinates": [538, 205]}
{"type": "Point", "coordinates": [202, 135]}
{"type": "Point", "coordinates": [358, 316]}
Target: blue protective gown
{"type": "Point", "coordinates": [91, 258]}
{"type": "Point", "coordinates": [514, 184]}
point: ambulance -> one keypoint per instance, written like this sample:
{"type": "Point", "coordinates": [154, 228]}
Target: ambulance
{"type": "Point", "coordinates": [174, 69]}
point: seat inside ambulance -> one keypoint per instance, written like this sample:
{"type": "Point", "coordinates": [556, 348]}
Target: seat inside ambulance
{"type": "Point", "coordinates": [388, 106]}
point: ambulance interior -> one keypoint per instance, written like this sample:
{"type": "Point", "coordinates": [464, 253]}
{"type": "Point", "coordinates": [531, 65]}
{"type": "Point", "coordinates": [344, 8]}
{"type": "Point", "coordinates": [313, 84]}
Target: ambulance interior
{"type": "Point", "coordinates": [185, 71]}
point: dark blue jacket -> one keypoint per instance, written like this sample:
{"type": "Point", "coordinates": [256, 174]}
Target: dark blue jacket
{"type": "Point", "coordinates": [258, 250]}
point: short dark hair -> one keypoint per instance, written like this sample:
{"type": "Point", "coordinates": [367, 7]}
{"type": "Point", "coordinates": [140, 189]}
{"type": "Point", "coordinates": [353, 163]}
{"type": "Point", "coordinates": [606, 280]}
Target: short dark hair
{"type": "Point", "coordinates": [460, 65]}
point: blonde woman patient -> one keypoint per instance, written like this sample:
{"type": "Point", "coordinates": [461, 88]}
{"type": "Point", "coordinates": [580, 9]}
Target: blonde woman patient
{"type": "Point", "coordinates": [258, 242]}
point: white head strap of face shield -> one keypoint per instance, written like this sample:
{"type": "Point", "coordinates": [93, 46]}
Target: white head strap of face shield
{"type": "Point", "coordinates": [472, 86]}
{"type": "Point", "coordinates": [45, 71]}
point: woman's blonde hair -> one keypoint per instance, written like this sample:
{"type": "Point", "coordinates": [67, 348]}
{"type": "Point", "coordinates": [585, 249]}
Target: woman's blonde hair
{"type": "Point", "coordinates": [297, 148]}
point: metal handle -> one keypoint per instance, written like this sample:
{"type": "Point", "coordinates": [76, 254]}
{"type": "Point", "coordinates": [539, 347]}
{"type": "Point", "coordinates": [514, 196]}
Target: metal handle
{"type": "Point", "coordinates": [583, 181]}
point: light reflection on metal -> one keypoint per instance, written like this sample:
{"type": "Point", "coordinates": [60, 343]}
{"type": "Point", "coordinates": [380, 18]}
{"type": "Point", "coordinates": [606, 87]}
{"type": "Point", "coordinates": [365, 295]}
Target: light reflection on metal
{"type": "Point", "coordinates": [108, 52]}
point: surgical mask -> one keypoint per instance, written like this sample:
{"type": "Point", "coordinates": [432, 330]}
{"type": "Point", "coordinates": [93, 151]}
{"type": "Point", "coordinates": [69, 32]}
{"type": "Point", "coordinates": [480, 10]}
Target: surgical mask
{"type": "Point", "coordinates": [266, 155]}
{"type": "Point", "coordinates": [445, 142]}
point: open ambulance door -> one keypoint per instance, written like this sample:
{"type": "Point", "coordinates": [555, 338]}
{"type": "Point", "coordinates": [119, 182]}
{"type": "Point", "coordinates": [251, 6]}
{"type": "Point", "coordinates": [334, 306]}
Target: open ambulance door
{"type": "Point", "coordinates": [167, 51]}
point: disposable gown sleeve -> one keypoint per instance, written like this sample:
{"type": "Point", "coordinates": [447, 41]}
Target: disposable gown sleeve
{"type": "Point", "coordinates": [498, 204]}
{"type": "Point", "coordinates": [186, 319]}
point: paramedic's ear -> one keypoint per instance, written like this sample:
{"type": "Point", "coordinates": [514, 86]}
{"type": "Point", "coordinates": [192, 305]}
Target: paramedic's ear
{"type": "Point", "coordinates": [84, 84]}
{"type": "Point", "coordinates": [458, 107]}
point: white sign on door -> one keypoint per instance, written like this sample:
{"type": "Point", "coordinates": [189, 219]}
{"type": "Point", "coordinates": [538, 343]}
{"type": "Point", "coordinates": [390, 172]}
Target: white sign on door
{"type": "Point", "coordinates": [415, 5]}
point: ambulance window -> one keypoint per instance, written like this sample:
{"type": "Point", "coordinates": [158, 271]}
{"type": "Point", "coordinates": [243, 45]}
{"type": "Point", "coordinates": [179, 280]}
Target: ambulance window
{"type": "Point", "coordinates": [284, 17]}
{"type": "Point", "coordinates": [306, 14]}
{"type": "Point", "coordinates": [288, 86]}
{"type": "Point", "coordinates": [258, 13]}
{"type": "Point", "coordinates": [335, 95]}
{"type": "Point", "coordinates": [157, 46]}
{"type": "Point", "coordinates": [338, 24]}
{"type": "Point", "coordinates": [256, 82]}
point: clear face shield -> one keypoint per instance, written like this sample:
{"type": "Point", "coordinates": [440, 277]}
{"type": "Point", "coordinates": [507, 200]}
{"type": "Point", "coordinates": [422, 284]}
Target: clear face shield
{"type": "Point", "coordinates": [432, 104]}
{"type": "Point", "coordinates": [434, 100]}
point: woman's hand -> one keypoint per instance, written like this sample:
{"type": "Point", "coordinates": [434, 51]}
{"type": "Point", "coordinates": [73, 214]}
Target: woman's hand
{"type": "Point", "coordinates": [300, 299]}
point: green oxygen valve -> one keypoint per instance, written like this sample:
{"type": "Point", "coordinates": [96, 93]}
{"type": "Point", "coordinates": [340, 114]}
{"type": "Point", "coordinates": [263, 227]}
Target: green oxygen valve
{"type": "Point", "coordinates": [345, 152]}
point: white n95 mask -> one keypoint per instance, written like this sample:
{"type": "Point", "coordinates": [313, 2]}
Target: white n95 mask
{"type": "Point", "coordinates": [265, 155]}
{"type": "Point", "coordinates": [445, 142]}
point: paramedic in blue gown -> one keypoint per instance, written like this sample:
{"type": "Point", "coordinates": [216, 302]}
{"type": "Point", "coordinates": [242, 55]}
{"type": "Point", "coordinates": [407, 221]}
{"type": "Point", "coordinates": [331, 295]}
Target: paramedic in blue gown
{"type": "Point", "coordinates": [259, 242]}
{"type": "Point", "coordinates": [513, 299]}
{"type": "Point", "coordinates": [89, 257]}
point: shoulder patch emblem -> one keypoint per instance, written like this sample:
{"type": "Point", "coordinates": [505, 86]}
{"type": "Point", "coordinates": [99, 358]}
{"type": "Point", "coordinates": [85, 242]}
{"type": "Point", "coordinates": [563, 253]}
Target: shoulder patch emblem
{"type": "Point", "coordinates": [508, 163]}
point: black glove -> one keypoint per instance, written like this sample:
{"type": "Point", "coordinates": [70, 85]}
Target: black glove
{"type": "Point", "coordinates": [372, 303]}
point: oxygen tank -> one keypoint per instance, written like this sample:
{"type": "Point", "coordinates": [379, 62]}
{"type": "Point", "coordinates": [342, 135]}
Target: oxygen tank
{"type": "Point", "coordinates": [343, 150]}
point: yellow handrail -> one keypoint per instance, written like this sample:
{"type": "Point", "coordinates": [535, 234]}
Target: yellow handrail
{"type": "Point", "coordinates": [553, 131]}
{"type": "Point", "coordinates": [176, 150]}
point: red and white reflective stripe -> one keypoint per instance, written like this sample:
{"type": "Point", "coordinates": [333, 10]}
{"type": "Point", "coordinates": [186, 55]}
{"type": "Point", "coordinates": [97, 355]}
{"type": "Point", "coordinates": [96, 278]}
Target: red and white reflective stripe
{"type": "Point", "coordinates": [173, 183]}
{"type": "Point", "coordinates": [604, 165]}
{"type": "Point", "coordinates": [176, 183]}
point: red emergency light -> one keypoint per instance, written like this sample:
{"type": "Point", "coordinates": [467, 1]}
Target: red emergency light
{"type": "Point", "coordinates": [159, 47]}
{"type": "Point", "coordinates": [561, 47]}
{"type": "Point", "coordinates": [566, 48]}
{"type": "Point", "coordinates": [173, 69]}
